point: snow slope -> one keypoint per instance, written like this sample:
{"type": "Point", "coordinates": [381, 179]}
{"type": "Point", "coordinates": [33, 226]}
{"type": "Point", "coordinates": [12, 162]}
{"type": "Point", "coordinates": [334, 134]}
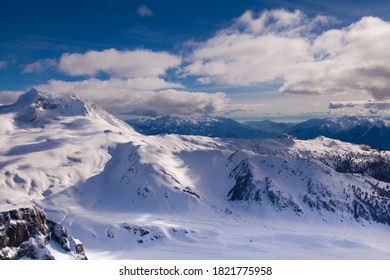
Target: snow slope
{"type": "Point", "coordinates": [126, 195]}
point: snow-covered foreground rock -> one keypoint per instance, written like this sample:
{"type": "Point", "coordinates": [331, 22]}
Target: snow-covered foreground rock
{"type": "Point", "coordinates": [126, 195]}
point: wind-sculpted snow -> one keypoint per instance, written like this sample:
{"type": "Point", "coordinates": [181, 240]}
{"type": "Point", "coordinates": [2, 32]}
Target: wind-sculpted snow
{"type": "Point", "coordinates": [127, 195]}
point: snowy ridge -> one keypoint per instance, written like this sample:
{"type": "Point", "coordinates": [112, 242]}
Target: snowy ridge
{"type": "Point", "coordinates": [127, 195]}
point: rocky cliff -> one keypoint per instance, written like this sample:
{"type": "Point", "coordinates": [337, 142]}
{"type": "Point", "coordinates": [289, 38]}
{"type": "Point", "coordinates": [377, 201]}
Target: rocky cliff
{"type": "Point", "coordinates": [25, 233]}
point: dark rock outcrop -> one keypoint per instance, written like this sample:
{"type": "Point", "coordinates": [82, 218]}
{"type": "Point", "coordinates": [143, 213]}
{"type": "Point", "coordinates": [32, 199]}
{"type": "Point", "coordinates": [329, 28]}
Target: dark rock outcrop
{"type": "Point", "coordinates": [25, 232]}
{"type": "Point", "coordinates": [244, 188]}
{"type": "Point", "coordinates": [60, 235]}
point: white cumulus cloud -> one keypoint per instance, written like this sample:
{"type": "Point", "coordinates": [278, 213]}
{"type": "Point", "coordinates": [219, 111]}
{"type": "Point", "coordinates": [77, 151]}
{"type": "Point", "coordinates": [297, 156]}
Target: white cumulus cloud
{"type": "Point", "coordinates": [255, 49]}
{"type": "Point", "coordinates": [125, 64]}
{"type": "Point", "coordinates": [136, 83]}
{"type": "Point", "coordinates": [352, 59]}
{"type": "Point", "coordinates": [289, 47]}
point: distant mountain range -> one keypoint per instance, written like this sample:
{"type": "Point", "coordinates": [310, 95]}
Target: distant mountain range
{"type": "Point", "coordinates": [358, 130]}
{"type": "Point", "coordinates": [372, 131]}
{"type": "Point", "coordinates": [269, 126]}
{"type": "Point", "coordinates": [198, 125]}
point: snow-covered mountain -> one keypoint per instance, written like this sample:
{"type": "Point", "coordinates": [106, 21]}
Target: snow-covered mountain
{"type": "Point", "coordinates": [359, 130]}
{"type": "Point", "coordinates": [127, 195]}
{"type": "Point", "coordinates": [197, 125]}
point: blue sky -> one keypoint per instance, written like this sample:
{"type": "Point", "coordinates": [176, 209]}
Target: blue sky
{"type": "Point", "coordinates": [242, 59]}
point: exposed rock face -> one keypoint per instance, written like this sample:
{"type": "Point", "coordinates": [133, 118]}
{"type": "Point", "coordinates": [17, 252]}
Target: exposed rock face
{"type": "Point", "coordinates": [25, 232]}
{"type": "Point", "coordinates": [60, 235]}
{"type": "Point", "coordinates": [244, 187]}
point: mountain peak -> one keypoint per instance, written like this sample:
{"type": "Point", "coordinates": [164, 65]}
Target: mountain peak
{"type": "Point", "coordinates": [32, 91]}
{"type": "Point", "coordinates": [28, 97]}
{"type": "Point", "coordinates": [37, 106]}
{"type": "Point", "coordinates": [40, 107]}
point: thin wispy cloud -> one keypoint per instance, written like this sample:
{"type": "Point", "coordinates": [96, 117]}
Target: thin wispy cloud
{"type": "Point", "coordinates": [144, 11]}
{"type": "Point", "coordinates": [3, 64]}
{"type": "Point", "coordinates": [39, 66]}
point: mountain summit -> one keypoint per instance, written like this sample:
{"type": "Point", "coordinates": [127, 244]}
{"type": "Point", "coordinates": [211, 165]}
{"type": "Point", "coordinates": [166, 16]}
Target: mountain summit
{"type": "Point", "coordinates": [36, 106]}
{"type": "Point", "coordinates": [40, 107]}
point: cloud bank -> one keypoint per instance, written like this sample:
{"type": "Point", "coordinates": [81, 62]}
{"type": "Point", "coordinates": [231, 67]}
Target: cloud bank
{"type": "Point", "coordinates": [142, 94]}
